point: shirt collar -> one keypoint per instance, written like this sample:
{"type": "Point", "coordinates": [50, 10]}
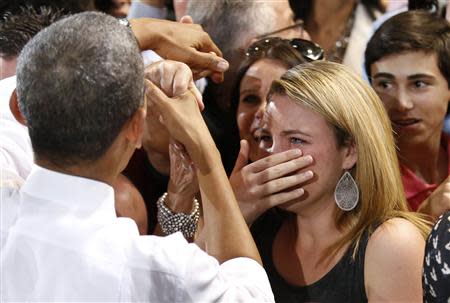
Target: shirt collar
{"type": "Point", "coordinates": [71, 191]}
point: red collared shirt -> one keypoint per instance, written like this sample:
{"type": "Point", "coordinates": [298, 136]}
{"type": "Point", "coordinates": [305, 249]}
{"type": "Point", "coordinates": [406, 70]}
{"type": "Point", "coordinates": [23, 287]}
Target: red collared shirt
{"type": "Point", "coordinates": [417, 190]}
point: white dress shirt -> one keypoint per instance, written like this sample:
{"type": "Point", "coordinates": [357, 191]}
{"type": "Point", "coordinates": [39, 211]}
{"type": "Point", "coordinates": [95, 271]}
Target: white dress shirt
{"type": "Point", "coordinates": [68, 245]}
{"type": "Point", "coordinates": [16, 154]}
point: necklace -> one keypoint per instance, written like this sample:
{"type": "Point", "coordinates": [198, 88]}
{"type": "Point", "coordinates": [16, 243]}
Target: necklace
{"type": "Point", "coordinates": [340, 46]}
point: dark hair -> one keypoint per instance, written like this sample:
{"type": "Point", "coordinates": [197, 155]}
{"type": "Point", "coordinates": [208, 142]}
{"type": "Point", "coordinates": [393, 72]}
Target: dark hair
{"type": "Point", "coordinates": [67, 6]}
{"type": "Point", "coordinates": [107, 6]}
{"type": "Point", "coordinates": [16, 29]}
{"type": "Point", "coordinates": [303, 8]}
{"type": "Point", "coordinates": [78, 82]}
{"type": "Point", "coordinates": [429, 5]}
{"type": "Point", "coordinates": [280, 51]}
{"type": "Point", "coordinates": [413, 31]}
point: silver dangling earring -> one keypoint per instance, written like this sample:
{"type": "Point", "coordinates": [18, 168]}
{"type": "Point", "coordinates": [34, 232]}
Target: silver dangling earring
{"type": "Point", "coordinates": [346, 192]}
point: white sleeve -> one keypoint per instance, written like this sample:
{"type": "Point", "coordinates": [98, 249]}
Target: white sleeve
{"type": "Point", "coordinates": [16, 154]}
{"type": "Point", "coordinates": [236, 280]}
{"type": "Point", "coordinates": [182, 272]}
{"type": "Point", "coordinates": [142, 10]}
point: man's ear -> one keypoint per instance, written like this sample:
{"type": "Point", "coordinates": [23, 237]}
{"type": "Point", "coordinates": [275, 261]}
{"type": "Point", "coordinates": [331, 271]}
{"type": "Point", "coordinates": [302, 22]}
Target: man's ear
{"type": "Point", "coordinates": [135, 126]}
{"type": "Point", "coordinates": [350, 156]}
{"type": "Point", "coordinates": [14, 107]}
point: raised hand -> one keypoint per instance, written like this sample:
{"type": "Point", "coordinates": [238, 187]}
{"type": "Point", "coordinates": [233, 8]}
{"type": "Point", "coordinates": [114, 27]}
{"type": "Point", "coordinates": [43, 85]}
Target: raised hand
{"type": "Point", "coordinates": [184, 42]}
{"type": "Point", "coordinates": [438, 202]}
{"type": "Point", "coordinates": [268, 182]}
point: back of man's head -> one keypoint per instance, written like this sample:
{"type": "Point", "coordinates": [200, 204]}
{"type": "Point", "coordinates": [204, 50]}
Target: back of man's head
{"type": "Point", "coordinates": [412, 31]}
{"type": "Point", "coordinates": [78, 82]}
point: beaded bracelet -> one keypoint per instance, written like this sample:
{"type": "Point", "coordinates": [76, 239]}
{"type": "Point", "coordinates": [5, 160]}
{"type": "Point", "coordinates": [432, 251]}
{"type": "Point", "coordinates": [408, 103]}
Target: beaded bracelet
{"type": "Point", "coordinates": [171, 222]}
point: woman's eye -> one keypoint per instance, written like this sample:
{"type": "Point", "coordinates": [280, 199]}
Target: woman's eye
{"type": "Point", "coordinates": [296, 140]}
{"type": "Point", "coordinates": [251, 99]}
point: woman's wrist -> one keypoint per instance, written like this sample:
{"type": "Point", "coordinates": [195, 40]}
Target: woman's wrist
{"type": "Point", "coordinates": [179, 202]}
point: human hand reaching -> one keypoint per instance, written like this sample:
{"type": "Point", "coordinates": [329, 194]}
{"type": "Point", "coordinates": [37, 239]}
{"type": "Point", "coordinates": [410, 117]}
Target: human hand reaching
{"type": "Point", "coordinates": [438, 202]}
{"type": "Point", "coordinates": [181, 41]}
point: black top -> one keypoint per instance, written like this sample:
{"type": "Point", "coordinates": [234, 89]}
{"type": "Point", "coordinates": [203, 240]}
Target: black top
{"type": "Point", "coordinates": [436, 271]}
{"type": "Point", "coordinates": [343, 283]}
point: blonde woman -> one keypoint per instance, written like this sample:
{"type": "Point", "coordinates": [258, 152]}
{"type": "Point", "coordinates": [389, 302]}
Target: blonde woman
{"type": "Point", "coordinates": [349, 237]}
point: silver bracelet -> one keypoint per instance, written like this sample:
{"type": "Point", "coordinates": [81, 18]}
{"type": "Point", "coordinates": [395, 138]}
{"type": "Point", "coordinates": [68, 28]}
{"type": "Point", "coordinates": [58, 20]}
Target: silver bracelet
{"type": "Point", "coordinates": [171, 222]}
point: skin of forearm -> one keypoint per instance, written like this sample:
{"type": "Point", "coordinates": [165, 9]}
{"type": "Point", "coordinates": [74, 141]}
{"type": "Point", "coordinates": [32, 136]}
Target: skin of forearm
{"type": "Point", "coordinates": [144, 31]}
{"type": "Point", "coordinates": [226, 234]}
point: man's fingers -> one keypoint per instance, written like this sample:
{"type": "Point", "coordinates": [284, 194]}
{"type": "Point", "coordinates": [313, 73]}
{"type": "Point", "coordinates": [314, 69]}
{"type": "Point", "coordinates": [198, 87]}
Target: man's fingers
{"type": "Point", "coordinates": [186, 19]}
{"type": "Point", "coordinates": [197, 94]}
{"type": "Point", "coordinates": [200, 61]}
{"type": "Point", "coordinates": [181, 80]}
{"type": "Point", "coordinates": [155, 95]}
{"type": "Point", "coordinates": [275, 159]}
{"type": "Point", "coordinates": [282, 169]}
{"type": "Point", "coordinates": [217, 77]}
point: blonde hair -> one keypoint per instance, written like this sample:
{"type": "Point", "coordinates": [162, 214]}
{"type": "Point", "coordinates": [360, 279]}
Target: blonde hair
{"type": "Point", "coordinates": [357, 115]}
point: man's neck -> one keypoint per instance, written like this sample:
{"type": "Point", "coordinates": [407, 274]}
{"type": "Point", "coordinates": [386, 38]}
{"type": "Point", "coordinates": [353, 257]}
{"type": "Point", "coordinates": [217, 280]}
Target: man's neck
{"type": "Point", "coordinates": [95, 170]}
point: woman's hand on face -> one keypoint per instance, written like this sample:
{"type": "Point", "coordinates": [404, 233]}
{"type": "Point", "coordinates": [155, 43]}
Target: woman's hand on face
{"type": "Point", "coordinates": [267, 182]}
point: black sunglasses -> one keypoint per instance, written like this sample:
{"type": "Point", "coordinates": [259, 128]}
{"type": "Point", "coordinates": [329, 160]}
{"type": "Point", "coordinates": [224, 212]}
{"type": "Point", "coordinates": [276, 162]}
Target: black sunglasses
{"type": "Point", "coordinates": [309, 50]}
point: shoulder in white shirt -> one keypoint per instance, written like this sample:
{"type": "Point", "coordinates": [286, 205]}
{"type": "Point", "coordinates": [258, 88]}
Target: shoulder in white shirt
{"type": "Point", "coordinates": [68, 245]}
{"type": "Point", "coordinates": [16, 154]}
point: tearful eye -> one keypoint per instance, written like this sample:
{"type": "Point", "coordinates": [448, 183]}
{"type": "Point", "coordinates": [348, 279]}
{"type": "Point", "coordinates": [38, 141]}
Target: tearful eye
{"type": "Point", "coordinates": [296, 140]}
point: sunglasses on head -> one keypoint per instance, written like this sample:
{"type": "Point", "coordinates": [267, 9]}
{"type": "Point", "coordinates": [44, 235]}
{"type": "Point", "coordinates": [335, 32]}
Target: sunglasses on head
{"type": "Point", "coordinates": [309, 50]}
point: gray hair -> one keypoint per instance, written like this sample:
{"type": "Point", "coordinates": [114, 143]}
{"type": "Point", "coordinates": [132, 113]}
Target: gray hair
{"type": "Point", "coordinates": [231, 22]}
{"type": "Point", "coordinates": [78, 82]}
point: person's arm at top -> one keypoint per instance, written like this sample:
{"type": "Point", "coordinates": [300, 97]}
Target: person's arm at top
{"type": "Point", "coordinates": [226, 233]}
{"type": "Point", "coordinates": [184, 42]}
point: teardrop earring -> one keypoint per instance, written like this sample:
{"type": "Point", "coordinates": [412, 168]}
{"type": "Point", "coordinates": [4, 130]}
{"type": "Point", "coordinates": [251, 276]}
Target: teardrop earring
{"type": "Point", "coordinates": [346, 193]}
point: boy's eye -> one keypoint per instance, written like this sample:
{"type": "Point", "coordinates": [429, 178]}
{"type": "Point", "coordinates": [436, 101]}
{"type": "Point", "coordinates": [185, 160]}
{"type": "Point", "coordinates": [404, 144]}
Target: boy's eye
{"type": "Point", "coordinates": [383, 84]}
{"type": "Point", "coordinates": [420, 84]}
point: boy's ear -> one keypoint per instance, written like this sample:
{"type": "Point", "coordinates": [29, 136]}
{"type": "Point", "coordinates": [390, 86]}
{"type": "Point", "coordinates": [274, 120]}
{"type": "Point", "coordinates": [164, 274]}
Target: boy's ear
{"type": "Point", "coordinates": [15, 110]}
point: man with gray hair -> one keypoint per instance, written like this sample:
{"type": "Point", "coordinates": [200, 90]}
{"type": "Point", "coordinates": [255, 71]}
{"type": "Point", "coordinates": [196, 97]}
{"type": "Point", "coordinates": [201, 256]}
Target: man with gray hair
{"type": "Point", "coordinates": [80, 87]}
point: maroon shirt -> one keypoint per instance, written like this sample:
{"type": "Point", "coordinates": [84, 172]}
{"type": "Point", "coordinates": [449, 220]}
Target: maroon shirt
{"type": "Point", "coordinates": [416, 189]}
